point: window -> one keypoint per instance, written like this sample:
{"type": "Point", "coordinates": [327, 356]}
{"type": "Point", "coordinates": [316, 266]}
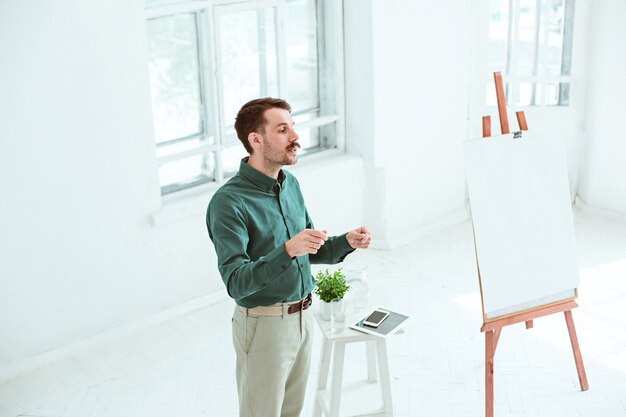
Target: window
{"type": "Point", "coordinates": [207, 58]}
{"type": "Point", "coordinates": [530, 42]}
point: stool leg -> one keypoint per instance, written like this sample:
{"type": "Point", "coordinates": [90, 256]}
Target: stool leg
{"type": "Point", "coordinates": [370, 349]}
{"type": "Point", "coordinates": [322, 381]}
{"type": "Point", "coordinates": [335, 396]}
{"type": "Point", "coordinates": [385, 381]}
{"type": "Point", "coordinates": [327, 351]}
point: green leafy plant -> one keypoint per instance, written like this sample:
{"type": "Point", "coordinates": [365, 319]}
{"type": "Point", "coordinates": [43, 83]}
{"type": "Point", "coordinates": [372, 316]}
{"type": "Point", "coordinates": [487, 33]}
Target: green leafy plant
{"type": "Point", "coordinates": [331, 285]}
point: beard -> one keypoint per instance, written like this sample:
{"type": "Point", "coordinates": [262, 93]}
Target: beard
{"type": "Point", "coordinates": [282, 157]}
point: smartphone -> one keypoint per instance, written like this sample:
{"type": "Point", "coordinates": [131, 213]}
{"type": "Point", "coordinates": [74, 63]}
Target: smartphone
{"type": "Point", "coordinates": [374, 319]}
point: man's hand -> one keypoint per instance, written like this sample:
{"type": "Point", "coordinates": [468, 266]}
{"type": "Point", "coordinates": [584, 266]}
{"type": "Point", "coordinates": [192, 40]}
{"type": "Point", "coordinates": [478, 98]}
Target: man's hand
{"type": "Point", "coordinates": [359, 238]}
{"type": "Point", "coordinates": [307, 241]}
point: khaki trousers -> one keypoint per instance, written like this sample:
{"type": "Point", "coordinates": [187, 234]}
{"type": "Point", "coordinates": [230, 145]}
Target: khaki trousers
{"type": "Point", "coordinates": [273, 362]}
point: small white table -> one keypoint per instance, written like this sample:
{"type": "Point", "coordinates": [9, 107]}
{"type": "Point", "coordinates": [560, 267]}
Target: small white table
{"type": "Point", "coordinates": [328, 402]}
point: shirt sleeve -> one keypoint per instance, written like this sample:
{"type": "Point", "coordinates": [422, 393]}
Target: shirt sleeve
{"type": "Point", "coordinates": [227, 225]}
{"type": "Point", "coordinates": [333, 251]}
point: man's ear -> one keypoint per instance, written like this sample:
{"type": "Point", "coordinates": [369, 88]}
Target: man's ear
{"type": "Point", "coordinates": [255, 140]}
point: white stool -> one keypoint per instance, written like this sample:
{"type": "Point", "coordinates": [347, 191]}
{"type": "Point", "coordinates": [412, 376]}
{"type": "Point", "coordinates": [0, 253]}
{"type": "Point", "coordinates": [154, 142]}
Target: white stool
{"type": "Point", "coordinates": [328, 402]}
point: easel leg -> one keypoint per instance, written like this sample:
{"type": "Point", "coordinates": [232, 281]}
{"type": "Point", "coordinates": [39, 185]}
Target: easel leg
{"type": "Point", "coordinates": [578, 358]}
{"type": "Point", "coordinates": [489, 353]}
{"type": "Point", "coordinates": [496, 337]}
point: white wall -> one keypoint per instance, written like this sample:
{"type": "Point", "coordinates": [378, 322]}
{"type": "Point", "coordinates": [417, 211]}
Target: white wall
{"type": "Point", "coordinates": [407, 84]}
{"type": "Point", "coordinates": [78, 173]}
{"type": "Point", "coordinates": [79, 253]}
{"type": "Point", "coordinates": [603, 183]}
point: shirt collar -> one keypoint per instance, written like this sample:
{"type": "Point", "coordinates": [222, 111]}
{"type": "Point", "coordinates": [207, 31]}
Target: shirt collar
{"type": "Point", "coordinates": [258, 178]}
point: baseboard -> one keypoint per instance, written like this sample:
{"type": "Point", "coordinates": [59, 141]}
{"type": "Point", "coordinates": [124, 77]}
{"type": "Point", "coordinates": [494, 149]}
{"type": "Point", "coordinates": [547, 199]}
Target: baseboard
{"type": "Point", "coordinates": [440, 223]}
{"type": "Point", "coordinates": [599, 212]}
{"type": "Point", "coordinates": [10, 371]}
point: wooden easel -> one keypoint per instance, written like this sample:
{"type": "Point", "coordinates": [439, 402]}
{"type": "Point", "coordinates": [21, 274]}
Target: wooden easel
{"type": "Point", "coordinates": [493, 327]}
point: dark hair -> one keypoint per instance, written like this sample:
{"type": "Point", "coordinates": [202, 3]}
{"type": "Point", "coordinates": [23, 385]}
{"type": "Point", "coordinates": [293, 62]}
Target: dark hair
{"type": "Point", "coordinates": [251, 117]}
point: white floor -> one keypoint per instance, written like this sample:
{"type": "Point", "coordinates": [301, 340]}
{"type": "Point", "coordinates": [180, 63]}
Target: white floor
{"type": "Point", "coordinates": [185, 367]}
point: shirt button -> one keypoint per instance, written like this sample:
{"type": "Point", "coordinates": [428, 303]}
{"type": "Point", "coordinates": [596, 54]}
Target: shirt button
{"type": "Point", "coordinates": [286, 216]}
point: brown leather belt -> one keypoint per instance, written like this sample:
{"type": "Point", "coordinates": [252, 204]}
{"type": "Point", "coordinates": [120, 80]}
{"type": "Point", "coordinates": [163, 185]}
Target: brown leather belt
{"type": "Point", "coordinates": [278, 310]}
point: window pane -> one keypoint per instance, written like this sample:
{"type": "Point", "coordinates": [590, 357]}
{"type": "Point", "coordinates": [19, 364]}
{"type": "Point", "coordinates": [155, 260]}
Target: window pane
{"type": "Point", "coordinates": [524, 94]}
{"type": "Point", "coordinates": [526, 54]}
{"type": "Point", "coordinates": [248, 67]}
{"type": "Point", "coordinates": [301, 27]}
{"type": "Point", "coordinates": [553, 94]}
{"type": "Point", "coordinates": [231, 157]}
{"type": "Point", "coordinates": [554, 27]}
{"type": "Point", "coordinates": [186, 172]}
{"type": "Point", "coordinates": [177, 147]}
{"type": "Point", "coordinates": [230, 138]}
{"type": "Point", "coordinates": [174, 76]}
{"type": "Point", "coordinates": [498, 35]}
{"type": "Point", "coordinates": [309, 137]}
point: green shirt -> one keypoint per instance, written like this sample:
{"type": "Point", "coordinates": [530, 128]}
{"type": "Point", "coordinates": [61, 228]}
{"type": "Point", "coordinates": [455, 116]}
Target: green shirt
{"type": "Point", "coordinates": [249, 220]}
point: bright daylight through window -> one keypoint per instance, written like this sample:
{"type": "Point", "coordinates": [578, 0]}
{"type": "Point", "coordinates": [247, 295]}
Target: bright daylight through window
{"type": "Point", "coordinates": [530, 42]}
{"type": "Point", "coordinates": [207, 58]}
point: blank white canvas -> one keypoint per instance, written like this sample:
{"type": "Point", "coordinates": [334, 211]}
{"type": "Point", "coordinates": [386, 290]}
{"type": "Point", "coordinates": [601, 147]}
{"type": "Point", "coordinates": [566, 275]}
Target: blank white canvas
{"type": "Point", "coordinates": [523, 224]}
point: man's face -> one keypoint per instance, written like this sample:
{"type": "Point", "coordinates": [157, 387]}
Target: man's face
{"type": "Point", "coordinates": [280, 146]}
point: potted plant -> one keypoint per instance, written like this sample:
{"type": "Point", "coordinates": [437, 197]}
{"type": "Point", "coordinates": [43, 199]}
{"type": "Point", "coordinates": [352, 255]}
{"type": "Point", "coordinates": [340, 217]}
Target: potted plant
{"type": "Point", "coordinates": [330, 286]}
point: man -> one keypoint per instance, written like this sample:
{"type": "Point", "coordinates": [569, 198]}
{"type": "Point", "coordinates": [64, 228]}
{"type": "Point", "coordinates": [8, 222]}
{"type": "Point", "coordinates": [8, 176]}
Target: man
{"type": "Point", "coordinates": [265, 243]}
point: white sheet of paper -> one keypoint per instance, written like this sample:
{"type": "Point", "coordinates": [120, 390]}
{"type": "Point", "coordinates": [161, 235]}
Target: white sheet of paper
{"type": "Point", "coordinates": [523, 223]}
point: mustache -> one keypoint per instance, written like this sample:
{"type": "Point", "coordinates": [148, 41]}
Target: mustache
{"type": "Point", "coordinates": [294, 145]}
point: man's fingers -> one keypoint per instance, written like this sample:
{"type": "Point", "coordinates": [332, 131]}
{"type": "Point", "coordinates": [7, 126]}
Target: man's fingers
{"type": "Point", "coordinates": [362, 240]}
{"type": "Point", "coordinates": [317, 233]}
{"type": "Point", "coordinates": [314, 239]}
{"type": "Point", "coordinates": [317, 241]}
{"type": "Point", "coordinates": [362, 237]}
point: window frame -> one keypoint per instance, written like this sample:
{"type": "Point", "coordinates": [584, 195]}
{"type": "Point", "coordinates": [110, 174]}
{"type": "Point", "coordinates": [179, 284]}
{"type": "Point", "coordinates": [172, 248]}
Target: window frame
{"type": "Point", "coordinates": [330, 82]}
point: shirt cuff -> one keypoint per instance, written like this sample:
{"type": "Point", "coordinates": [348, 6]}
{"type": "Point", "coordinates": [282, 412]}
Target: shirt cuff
{"type": "Point", "coordinates": [278, 259]}
{"type": "Point", "coordinates": [343, 245]}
